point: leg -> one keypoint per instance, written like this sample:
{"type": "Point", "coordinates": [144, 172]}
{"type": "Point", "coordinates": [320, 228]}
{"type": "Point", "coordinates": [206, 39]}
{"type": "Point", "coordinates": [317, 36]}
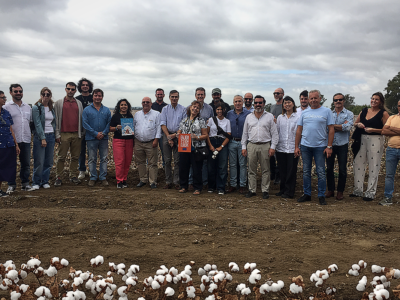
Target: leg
{"type": "Point", "coordinates": [264, 163]}
{"type": "Point", "coordinates": [282, 164]}
{"type": "Point", "coordinates": [140, 157]}
{"type": "Point", "coordinates": [92, 146]}
{"type": "Point", "coordinates": [184, 167]}
{"type": "Point", "coordinates": [222, 169]}
{"type": "Point", "coordinates": [392, 159]}
{"type": "Point", "coordinates": [82, 155]}
{"type": "Point", "coordinates": [38, 161]}
{"type": "Point", "coordinates": [374, 164]}
{"type": "Point", "coordinates": [103, 153]}
{"type": "Point", "coordinates": [167, 150]}
{"type": "Point", "coordinates": [176, 163]}
{"type": "Point", "coordinates": [128, 158]}
{"type": "Point", "coordinates": [119, 158]}
{"type": "Point", "coordinates": [75, 151]}
{"type": "Point", "coordinates": [191, 175]}
{"type": "Point", "coordinates": [25, 160]}
{"type": "Point", "coordinates": [233, 163]}
{"type": "Point", "coordinates": [342, 162]}
{"type": "Point", "coordinates": [212, 169]}
{"type": "Point", "coordinates": [197, 172]}
{"type": "Point", "coordinates": [160, 143]}
{"type": "Point", "coordinates": [152, 156]}
{"type": "Point", "coordinates": [204, 172]}
{"type": "Point", "coordinates": [359, 167]}
{"type": "Point", "coordinates": [319, 158]}
{"type": "Point", "coordinates": [330, 165]}
{"type": "Point", "coordinates": [62, 153]}
{"type": "Point", "coordinates": [272, 167]}
{"type": "Point", "coordinates": [291, 174]}
{"type": "Point", "coordinates": [252, 158]}
{"type": "Point", "coordinates": [48, 158]}
{"type": "Point", "coordinates": [242, 166]}
{"type": "Point", "coordinates": [306, 154]}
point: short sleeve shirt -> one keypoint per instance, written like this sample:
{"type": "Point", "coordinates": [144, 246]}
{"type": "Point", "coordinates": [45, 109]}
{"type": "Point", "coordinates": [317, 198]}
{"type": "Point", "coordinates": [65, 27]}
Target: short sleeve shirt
{"type": "Point", "coordinates": [394, 121]}
{"type": "Point", "coordinates": [193, 126]}
{"type": "Point", "coordinates": [6, 138]}
{"type": "Point", "coordinates": [225, 125]}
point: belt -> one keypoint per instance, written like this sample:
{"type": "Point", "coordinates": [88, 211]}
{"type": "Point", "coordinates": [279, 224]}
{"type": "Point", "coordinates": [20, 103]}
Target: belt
{"type": "Point", "coordinates": [147, 141]}
{"type": "Point", "coordinates": [237, 139]}
{"type": "Point", "coordinates": [217, 137]}
{"type": "Point", "coordinates": [171, 132]}
{"type": "Point", "coordinates": [260, 143]}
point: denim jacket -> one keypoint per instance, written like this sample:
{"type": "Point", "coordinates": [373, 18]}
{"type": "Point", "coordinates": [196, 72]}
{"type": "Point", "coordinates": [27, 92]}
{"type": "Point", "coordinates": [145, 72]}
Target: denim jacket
{"type": "Point", "coordinates": [39, 120]}
{"type": "Point", "coordinates": [95, 121]}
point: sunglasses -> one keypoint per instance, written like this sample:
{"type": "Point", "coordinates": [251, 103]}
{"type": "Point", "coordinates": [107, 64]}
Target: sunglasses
{"type": "Point", "coordinates": [145, 102]}
{"type": "Point", "coordinates": [257, 102]}
{"type": "Point", "coordinates": [276, 93]}
{"type": "Point", "coordinates": [3, 97]}
{"type": "Point", "coordinates": [18, 92]}
{"type": "Point", "coordinates": [70, 89]}
{"type": "Point", "coordinates": [248, 99]}
{"type": "Point", "coordinates": [336, 100]}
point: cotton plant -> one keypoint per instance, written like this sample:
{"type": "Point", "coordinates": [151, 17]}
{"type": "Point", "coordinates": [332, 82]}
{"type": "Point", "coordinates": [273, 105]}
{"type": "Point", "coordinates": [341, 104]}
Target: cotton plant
{"type": "Point", "coordinates": [319, 277]}
{"type": "Point", "coordinates": [271, 286]}
{"type": "Point", "coordinates": [297, 285]}
{"type": "Point", "coordinates": [233, 267]}
{"type": "Point", "coordinates": [249, 267]}
{"type": "Point", "coordinates": [379, 293]}
{"type": "Point", "coordinates": [97, 261]}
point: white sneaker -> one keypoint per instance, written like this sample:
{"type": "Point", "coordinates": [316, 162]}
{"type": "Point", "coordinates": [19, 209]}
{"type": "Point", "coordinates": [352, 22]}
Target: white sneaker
{"type": "Point", "coordinates": [26, 188]}
{"type": "Point", "coordinates": [10, 189]}
{"type": "Point", "coordinates": [33, 188]}
{"type": "Point", "coordinates": [46, 186]}
{"type": "Point", "coordinates": [81, 175]}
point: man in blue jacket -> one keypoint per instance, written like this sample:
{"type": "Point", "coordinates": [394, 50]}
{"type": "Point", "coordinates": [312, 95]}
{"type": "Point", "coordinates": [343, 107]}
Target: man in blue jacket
{"type": "Point", "coordinates": [96, 120]}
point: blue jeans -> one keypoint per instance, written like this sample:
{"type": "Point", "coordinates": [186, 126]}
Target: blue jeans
{"type": "Point", "coordinates": [392, 159]}
{"type": "Point", "coordinates": [307, 153]}
{"type": "Point", "coordinates": [217, 168]}
{"type": "Point", "coordinates": [236, 159]}
{"type": "Point", "coordinates": [24, 159]}
{"type": "Point", "coordinates": [82, 156]}
{"type": "Point", "coordinates": [42, 159]}
{"type": "Point", "coordinates": [102, 147]}
{"type": "Point", "coordinates": [341, 153]}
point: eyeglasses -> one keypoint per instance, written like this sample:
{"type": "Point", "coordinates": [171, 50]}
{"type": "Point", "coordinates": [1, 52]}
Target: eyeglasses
{"type": "Point", "coordinates": [245, 99]}
{"type": "Point", "coordinates": [70, 89]}
{"type": "Point", "coordinates": [276, 93]}
{"type": "Point", "coordinates": [336, 100]}
{"type": "Point", "coordinates": [4, 97]}
{"type": "Point", "coordinates": [145, 102]}
{"type": "Point", "coordinates": [257, 102]}
{"type": "Point", "coordinates": [46, 94]}
{"type": "Point", "coordinates": [18, 92]}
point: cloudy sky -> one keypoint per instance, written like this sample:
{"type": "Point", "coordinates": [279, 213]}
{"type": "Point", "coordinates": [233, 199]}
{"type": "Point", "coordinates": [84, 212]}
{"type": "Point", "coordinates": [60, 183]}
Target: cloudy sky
{"type": "Point", "coordinates": [129, 48]}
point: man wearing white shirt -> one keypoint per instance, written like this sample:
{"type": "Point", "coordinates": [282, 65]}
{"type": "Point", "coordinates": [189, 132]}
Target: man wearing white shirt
{"type": "Point", "coordinates": [260, 131]}
{"type": "Point", "coordinates": [304, 103]}
{"type": "Point", "coordinates": [146, 124]}
{"type": "Point", "coordinates": [21, 114]}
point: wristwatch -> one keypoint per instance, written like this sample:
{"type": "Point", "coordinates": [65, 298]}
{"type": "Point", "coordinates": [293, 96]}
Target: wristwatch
{"type": "Point", "coordinates": [222, 146]}
{"type": "Point", "coordinates": [329, 147]}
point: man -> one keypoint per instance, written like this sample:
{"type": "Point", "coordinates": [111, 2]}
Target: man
{"type": "Point", "coordinates": [237, 162]}
{"type": "Point", "coordinates": [171, 116]}
{"type": "Point", "coordinates": [96, 120]}
{"type": "Point", "coordinates": [21, 114]}
{"type": "Point", "coordinates": [248, 102]}
{"type": "Point", "coordinates": [260, 130]}
{"type": "Point", "coordinates": [343, 122]}
{"type": "Point", "coordinates": [147, 133]}
{"type": "Point", "coordinates": [304, 104]}
{"type": "Point", "coordinates": [276, 110]}
{"type": "Point", "coordinates": [68, 133]}
{"type": "Point", "coordinates": [206, 112]}
{"type": "Point", "coordinates": [216, 95]}
{"type": "Point", "coordinates": [85, 87]}
{"type": "Point", "coordinates": [158, 105]}
{"type": "Point", "coordinates": [315, 142]}
{"type": "Point", "coordinates": [392, 130]}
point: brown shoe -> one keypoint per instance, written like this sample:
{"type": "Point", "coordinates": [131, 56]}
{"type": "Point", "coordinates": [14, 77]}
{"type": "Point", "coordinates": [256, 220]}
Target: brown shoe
{"type": "Point", "coordinates": [231, 189]}
{"type": "Point", "coordinates": [91, 183]}
{"type": "Point", "coordinates": [177, 187]}
{"type": "Point", "coordinates": [168, 186]}
{"type": "Point", "coordinates": [191, 188]}
{"type": "Point", "coordinates": [339, 196]}
{"type": "Point", "coordinates": [104, 183]}
{"type": "Point", "coordinates": [329, 194]}
{"type": "Point", "coordinates": [242, 190]}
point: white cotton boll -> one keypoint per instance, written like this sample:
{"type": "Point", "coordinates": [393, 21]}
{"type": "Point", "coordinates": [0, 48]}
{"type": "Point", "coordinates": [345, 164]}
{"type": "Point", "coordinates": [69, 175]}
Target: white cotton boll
{"type": "Point", "coordinates": [7, 282]}
{"type": "Point", "coordinates": [328, 290]}
{"type": "Point", "coordinates": [245, 291]}
{"type": "Point", "coordinates": [160, 272]}
{"type": "Point", "coordinates": [41, 298]}
{"type": "Point", "coordinates": [188, 269]}
{"type": "Point", "coordinates": [121, 266]}
{"type": "Point", "coordinates": [51, 271]}
{"type": "Point", "coordinates": [319, 282]}
{"type": "Point", "coordinates": [78, 281]}
{"type": "Point", "coordinates": [207, 267]}
{"type": "Point", "coordinates": [191, 292]}
{"type": "Point", "coordinates": [107, 297]}
{"type": "Point", "coordinates": [176, 279]}
{"type": "Point", "coordinates": [381, 294]}
{"type": "Point", "coordinates": [93, 261]}
{"type": "Point", "coordinates": [211, 297]}
{"type": "Point", "coordinates": [84, 276]}
{"type": "Point", "coordinates": [295, 289]}
{"type": "Point", "coordinates": [219, 277]}
{"type": "Point", "coordinates": [123, 298]}
{"type": "Point", "coordinates": [173, 271]}
{"type": "Point", "coordinates": [169, 292]}
{"type": "Point", "coordinates": [22, 274]}
{"type": "Point", "coordinates": [201, 272]}
{"type": "Point", "coordinates": [333, 268]}
{"type": "Point", "coordinates": [134, 269]}
{"type": "Point", "coordinates": [254, 278]}
{"type": "Point", "coordinates": [141, 298]}
{"type": "Point", "coordinates": [276, 287]}
{"type": "Point", "coordinates": [14, 295]}
{"type": "Point", "coordinates": [130, 281]}
{"type": "Point", "coordinates": [112, 265]}
{"type": "Point", "coordinates": [3, 287]}
{"type": "Point", "coordinates": [247, 266]}
{"type": "Point", "coordinates": [240, 287]}
{"type": "Point", "coordinates": [313, 277]}
{"type": "Point", "coordinates": [64, 262]}
{"type": "Point", "coordinates": [353, 272]}
{"type": "Point", "coordinates": [121, 272]}
{"type": "Point", "coordinates": [205, 278]}
{"type": "Point", "coordinates": [121, 291]}
{"type": "Point", "coordinates": [43, 291]}
{"type": "Point", "coordinates": [89, 284]}
{"type": "Point", "coordinates": [202, 287]}
{"type": "Point", "coordinates": [376, 269]}
{"type": "Point", "coordinates": [361, 284]}
{"type": "Point", "coordinates": [265, 288]}
{"type": "Point", "coordinates": [234, 267]}
{"type": "Point", "coordinates": [324, 274]}
{"type": "Point", "coordinates": [212, 273]}
{"type": "Point", "coordinates": [9, 263]}
{"type": "Point", "coordinates": [228, 276]}
{"type": "Point", "coordinates": [383, 278]}
{"type": "Point", "coordinates": [212, 287]}
{"type": "Point", "coordinates": [253, 266]}
{"type": "Point", "coordinates": [362, 264]}
{"type": "Point", "coordinates": [355, 267]}
{"type": "Point", "coordinates": [13, 274]}
{"type": "Point", "coordinates": [160, 278]}
{"type": "Point", "coordinates": [168, 278]}
{"type": "Point", "coordinates": [214, 267]}
{"type": "Point", "coordinates": [55, 259]}
{"type": "Point", "coordinates": [33, 263]}
{"type": "Point", "coordinates": [155, 285]}
{"type": "Point", "coordinates": [396, 274]}
{"type": "Point", "coordinates": [99, 259]}
{"type": "Point", "coordinates": [23, 288]}
{"type": "Point", "coordinates": [79, 295]}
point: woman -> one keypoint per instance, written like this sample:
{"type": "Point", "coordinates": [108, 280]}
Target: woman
{"type": "Point", "coordinates": [8, 146]}
{"type": "Point", "coordinates": [196, 127]}
{"type": "Point", "coordinates": [287, 162]}
{"type": "Point", "coordinates": [43, 116]}
{"type": "Point", "coordinates": [370, 121]}
{"type": "Point", "coordinates": [122, 144]}
{"type": "Point", "coordinates": [217, 141]}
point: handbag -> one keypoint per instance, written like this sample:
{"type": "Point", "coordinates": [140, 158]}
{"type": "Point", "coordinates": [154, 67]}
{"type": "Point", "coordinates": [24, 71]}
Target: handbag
{"type": "Point", "coordinates": [201, 153]}
{"type": "Point", "coordinates": [356, 137]}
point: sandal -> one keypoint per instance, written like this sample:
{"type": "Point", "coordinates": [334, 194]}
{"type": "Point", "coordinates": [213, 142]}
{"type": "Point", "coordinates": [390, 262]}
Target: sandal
{"type": "Point", "coordinates": [182, 190]}
{"type": "Point", "coordinates": [196, 192]}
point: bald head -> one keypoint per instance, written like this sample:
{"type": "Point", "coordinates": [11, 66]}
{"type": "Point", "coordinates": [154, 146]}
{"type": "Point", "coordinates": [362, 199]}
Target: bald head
{"type": "Point", "coordinates": [146, 104]}
{"type": "Point", "coordinates": [278, 95]}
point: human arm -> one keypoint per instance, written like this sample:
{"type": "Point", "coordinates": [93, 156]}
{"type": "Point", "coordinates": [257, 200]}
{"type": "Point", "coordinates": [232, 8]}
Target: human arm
{"type": "Point", "coordinates": [331, 135]}
{"type": "Point", "coordinates": [15, 140]}
{"type": "Point", "coordinates": [86, 124]}
{"type": "Point", "coordinates": [212, 149]}
{"type": "Point", "coordinates": [299, 131]}
{"type": "Point", "coordinates": [375, 130]}
{"type": "Point", "coordinates": [108, 120]}
{"type": "Point", "coordinates": [115, 123]}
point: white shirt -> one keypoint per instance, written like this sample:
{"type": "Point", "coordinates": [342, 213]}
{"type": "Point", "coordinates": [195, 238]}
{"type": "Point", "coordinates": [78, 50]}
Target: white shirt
{"type": "Point", "coordinates": [299, 110]}
{"type": "Point", "coordinates": [21, 116]}
{"type": "Point", "coordinates": [287, 132]}
{"type": "Point", "coordinates": [260, 130]}
{"type": "Point", "coordinates": [225, 124]}
{"type": "Point", "coordinates": [48, 128]}
{"type": "Point", "coordinates": [147, 126]}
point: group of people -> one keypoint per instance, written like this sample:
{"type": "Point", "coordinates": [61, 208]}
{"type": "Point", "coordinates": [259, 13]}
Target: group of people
{"type": "Point", "coordinates": [245, 137]}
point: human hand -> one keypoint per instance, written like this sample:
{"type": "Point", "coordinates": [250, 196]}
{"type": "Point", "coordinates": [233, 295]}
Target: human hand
{"type": "Point", "coordinates": [44, 143]}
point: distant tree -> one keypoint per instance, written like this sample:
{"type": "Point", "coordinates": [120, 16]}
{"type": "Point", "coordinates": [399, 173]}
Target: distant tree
{"type": "Point", "coordinates": [268, 107]}
{"type": "Point", "coordinates": [348, 103]}
{"type": "Point", "coordinates": [323, 100]}
{"type": "Point", "coordinates": [393, 93]}
{"type": "Point", "coordinates": [356, 109]}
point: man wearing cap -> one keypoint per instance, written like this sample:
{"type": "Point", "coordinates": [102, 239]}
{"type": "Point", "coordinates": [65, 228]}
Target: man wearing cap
{"type": "Point", "coordinates": [216, 95]}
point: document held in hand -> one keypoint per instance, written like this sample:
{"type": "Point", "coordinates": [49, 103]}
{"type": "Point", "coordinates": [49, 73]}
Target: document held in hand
{"type": "Point", "coordinates": [185, 143]}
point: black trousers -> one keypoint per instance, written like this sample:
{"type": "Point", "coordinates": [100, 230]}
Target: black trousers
{"type": "Point", "coordinates": [274, 168]}
{"type": "Point", "coordinates": [287, 164]}
{"type": "Point", "coordinates": [187, 159]}
{"type": "Point", "coordinates": [341, 153]}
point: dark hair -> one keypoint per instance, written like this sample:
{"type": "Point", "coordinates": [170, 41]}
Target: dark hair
{"type": "Point", "coordinates": [382, 100]}
{"type": "Point", "coordinates": [51, 102]}
{"type": "Point", "coordinates": [15, 85]}
{"type": "Point", "coordinates": [222, 107]}
{"type": "Point", "coordinates": [188, 112]}
{"type": "Point", "coordinates": [98, 91]}
{"type": "Point", "coordinates": [71, 83]}
{"type": "Point", "coordinates": [1, 92]}
{"type": "Point", "coordinates": [288, 98]}
{"type": "Point", "coordinates": [80, 82]}
{"type": "Point", "coordinates": [173, 92]}
{"type": "Point", "coordinates": [304, 94]}
{"type": "Point", "coordinates": [159, 89]}
{"type": "Point", "coordinates": [200, 89]}
{"type": "Point", "coordinates": [117, 107]}
{"type": "Point", "coordinates": [259, 96]}
{"type": "Point", "coordinates": [337, 94]}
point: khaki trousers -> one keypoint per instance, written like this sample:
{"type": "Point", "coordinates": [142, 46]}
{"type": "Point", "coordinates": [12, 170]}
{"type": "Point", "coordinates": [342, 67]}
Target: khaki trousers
{"type": "Point", "coordinates": [145, 151]}
{"type": "Point", "coordinates": [171, 176]}
{"type": "Point", "coordinates": [72, 142]}
{"type": "Point", "coordinates": [258, 154]}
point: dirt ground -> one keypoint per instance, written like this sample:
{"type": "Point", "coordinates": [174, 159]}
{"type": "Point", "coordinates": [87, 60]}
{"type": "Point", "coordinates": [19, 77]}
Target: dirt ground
{"type": "Point", "coordinates": [154, 227]}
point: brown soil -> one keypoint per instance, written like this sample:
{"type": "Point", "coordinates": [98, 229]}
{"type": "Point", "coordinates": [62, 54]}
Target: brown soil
{"type": "Point", "coordinates": [154, 227]}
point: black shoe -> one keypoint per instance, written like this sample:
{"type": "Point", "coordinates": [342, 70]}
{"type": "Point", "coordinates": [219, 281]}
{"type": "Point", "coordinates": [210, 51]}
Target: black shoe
{"type": "Point", "coordinates": [353, 195]}
{"type": "Point", "coordinates": [265, 195]}
{"type": "Point", "coordinates": [285, 196]}
{"type": "Point", "coordinates": [141, 184]}
{"type": "Point", "coordinates": [3, 194]}
{"type": "Point", "coordinates": [279, 194]}
{"type": "Point", "coordinates": [250, 194]}
{"type": "Point", "coordinates": [120, 185]}
{"type": "Point", "coordinates": [124, 184]}
{"type": "Point", "coordinates": [153, 185]}
{"type": "Point", "coordinates": [322, 201]}
{"type": "Point", "coordinates": [304, 198]}
{"type": "Point", "coordinates": [277, 181]}
{"type": "Point", "coordinates": [367, 199]}
{"type": "Point", "coordinates": [75, 180]}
